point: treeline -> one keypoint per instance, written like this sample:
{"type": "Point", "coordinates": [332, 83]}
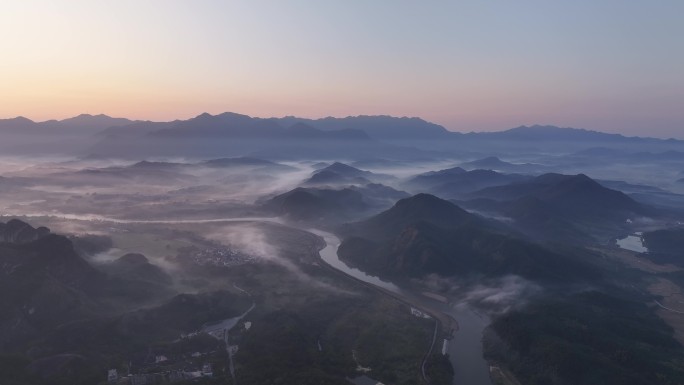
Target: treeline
{"type": "Point", "coordinates": [282, 347]}
{"type": "Point", "coordinates": [586, 338]}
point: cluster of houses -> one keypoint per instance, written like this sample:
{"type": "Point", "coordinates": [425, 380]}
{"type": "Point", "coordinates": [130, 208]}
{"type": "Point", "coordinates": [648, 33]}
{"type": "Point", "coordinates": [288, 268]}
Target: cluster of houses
{"type": "Point", "coordinates": [165, 377]}
{"type": "Point", "coordinates": [419, 313]}
{"type": "Point", "coordinates": [222, 257]}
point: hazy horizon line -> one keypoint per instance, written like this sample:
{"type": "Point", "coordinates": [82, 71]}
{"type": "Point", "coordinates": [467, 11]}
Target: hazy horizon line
{"type": "Point", "coordinates": [101, 114]}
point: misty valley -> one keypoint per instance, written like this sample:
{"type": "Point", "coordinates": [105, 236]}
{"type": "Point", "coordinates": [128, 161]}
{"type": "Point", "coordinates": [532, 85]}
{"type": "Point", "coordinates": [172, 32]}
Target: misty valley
{"type": "Point", "coordinates": [226, 249]}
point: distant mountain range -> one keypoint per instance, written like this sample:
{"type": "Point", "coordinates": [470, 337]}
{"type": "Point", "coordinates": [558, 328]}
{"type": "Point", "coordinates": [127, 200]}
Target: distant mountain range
{"type": "Point", "coordinates": [352, 127]}
{"type": "Point", "coordinates": [242, 126]}
{"type": "Point", "coordinates": [455, 182]}
{"type": "Point", "coordinates": [217, 134]}
{"type": "Point", "coordinates": [82, 124]}
{"type": "Point", "coordinates": [553, 133]}
{"type": "Point", "coordinates": [379, 127]}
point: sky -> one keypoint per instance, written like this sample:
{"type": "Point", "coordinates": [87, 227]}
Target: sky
{"type": "Point", "coordinates": [610, 65]}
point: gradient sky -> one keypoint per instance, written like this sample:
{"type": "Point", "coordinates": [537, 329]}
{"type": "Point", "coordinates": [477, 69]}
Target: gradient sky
{"type": "Point", "coordinates": [610, 65]}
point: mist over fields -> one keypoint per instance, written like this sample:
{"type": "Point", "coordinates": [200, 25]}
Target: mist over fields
{"type": "Point", "coordinates": [187, 238]}
{"type": "Point", "coordinates": [341, 193]}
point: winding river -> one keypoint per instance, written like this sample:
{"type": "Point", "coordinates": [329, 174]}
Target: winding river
{"type": "Point", "coordinates": [465, 348]}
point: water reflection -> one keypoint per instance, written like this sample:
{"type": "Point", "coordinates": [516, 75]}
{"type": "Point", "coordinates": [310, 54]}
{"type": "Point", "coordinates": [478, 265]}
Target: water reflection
{"type": "Point", "coordinates": [633, 242]}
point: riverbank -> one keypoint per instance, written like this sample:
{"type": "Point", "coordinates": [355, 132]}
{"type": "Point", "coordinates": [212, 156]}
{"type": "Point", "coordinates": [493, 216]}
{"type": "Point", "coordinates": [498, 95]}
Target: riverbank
{"type": "Point", "coordinates": [466, 354]}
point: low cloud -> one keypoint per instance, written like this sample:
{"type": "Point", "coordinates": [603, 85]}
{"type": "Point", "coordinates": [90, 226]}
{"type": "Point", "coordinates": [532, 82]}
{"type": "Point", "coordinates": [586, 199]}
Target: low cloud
{"type": "Point", "coordinates": [495, 295]}
{"type": "Point", "coordinates": [502, 294]}
{"type": "Point", "coordinates": [252, 240]}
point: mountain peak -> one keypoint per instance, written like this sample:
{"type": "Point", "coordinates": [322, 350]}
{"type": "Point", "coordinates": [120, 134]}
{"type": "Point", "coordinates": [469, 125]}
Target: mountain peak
{"type": "Point", "coordinates": [408, 211]}
{"type": "Point", "coordinates": [580, 195]}
{"type": "Point", "coordinates": [423, 198]}
{"type": "Point", "coordinates": [92, 116]}
{"type": "Point", "coordinates": [555, 133]}
{"type": "Point", "coordinates": [581, 184]}
{"type": "Point", "coordinates": [342, 167]}
{"type": "Point", "coordinates": [488, 162]}
{"type": "Point", "coordinates": [583, 178]}
{"type": "Point", "coordinates": [558, 179]}
{"type": "Point", "coordinates": [228, 114]}
{"type": "Point", "coordinates": [491, 159]}
{"type": "Point", "coordinates": [17, 231]}
{"type": "Point", "coordinates": [544, 127]}
{"type": "Point", "coordinates": [445, 172]}
{"type": "Point", "coordinates": [425, 206]}
{"type": "Point", "coordinates": [20, 119]}
{"type": "Point", "coordinates": [133, 259]}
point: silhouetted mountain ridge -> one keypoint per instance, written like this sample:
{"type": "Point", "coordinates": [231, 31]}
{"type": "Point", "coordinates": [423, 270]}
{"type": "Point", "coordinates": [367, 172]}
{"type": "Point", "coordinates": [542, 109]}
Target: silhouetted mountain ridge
{"type": "Point", "coordinates": [16, 231]}
{"type": "Point", "coordinates": [455, 182]}
{"type": "Point", "coordinates": [340, 173]}
{"type": "Point", "coordinates": [379, 127]}
{"type": "Point", "coordinates": [555, 133]}
{"type": "Point", "coordinates": [491, 162]}
{"type": "Point", "coordinates": [572, 194]}
{"type": "Point", "coordinates": [231, 125]}
{"type": "Point", "coordinates": [426, 235]}
{"type": "Point", "coordinates": [317, 204]}
{"type": "Point", "coordinates": [562, 207]}
{"type": "Point", "coordinates": [407, 211]}
{"type": "Point", "coordinates": [44, 282]}
{"type": "Point", "coordinates": [356, 127]}
{"type": "Point", "coordinates": [137, 266]}
{"type": "Point", "coordinates": [84, 124]}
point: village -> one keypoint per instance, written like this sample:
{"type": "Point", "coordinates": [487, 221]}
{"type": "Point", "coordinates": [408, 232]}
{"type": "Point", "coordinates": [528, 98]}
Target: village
{"type": "Point", "coordinates": [221, 256]}
{"type": "Point", "coordinates": [199, 357]}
